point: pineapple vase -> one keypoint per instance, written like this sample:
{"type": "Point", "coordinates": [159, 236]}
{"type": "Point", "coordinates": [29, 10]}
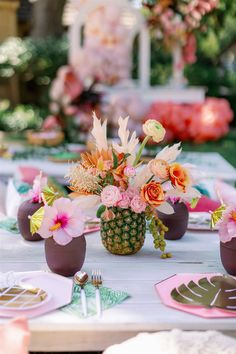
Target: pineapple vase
{"type": "Point", "coordinates": [125, 233]}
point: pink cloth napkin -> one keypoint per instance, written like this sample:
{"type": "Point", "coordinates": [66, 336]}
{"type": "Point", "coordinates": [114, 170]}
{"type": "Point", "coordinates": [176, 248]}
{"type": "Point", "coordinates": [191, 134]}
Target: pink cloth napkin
{"type": "Point", "coordinates": [205, 204]}
{"type": "Point", "coordinates": [14, 337]}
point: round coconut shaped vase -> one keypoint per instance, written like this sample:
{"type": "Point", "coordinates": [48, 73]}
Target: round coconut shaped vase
{"type": "Point", "coordinates": [65, 260]}
{"type": "Point", "coordinates": [228, 256]}
{"type": "Point", "coordinates": [177, 223]}
{"type": "Point", "coordinates": [25, 210]}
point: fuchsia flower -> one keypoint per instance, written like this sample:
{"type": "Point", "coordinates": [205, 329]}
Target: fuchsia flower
{"type": "Point", "coordinates": [110, 196]}
{"type": "Point", "coordinates": [227, 225]}
{"type": "Point", "coordinates": [137, 204]}
{"type": "Point", "coordinates": [63, 221]}
{"type": "Point", "coordinates": [125, 201]}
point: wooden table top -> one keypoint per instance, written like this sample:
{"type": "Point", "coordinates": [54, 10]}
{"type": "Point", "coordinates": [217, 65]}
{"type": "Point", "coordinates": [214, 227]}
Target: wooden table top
{"type": "Point", "coordinates": [196, 252]}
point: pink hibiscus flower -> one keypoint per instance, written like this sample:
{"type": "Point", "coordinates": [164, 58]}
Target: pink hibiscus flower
{"type": "Point", "coordinates": [62, 221]}
{"type": "Point", "coordinates": [227, 225]}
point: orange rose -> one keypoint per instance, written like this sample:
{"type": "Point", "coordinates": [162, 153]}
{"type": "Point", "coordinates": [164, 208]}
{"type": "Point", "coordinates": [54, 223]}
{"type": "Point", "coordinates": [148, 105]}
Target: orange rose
{"type": "Point", "coordinates": [152, 193]}
{"type": "Point", "coordinates": [179, 176]}
{"type": "Point", "coordinates": [159, 168]}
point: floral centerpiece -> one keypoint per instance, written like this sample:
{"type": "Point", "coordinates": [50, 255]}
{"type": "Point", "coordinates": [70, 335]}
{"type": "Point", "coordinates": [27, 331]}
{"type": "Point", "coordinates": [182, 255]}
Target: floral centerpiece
{"type": "Point", "coordinates": [32, 203]}
{"type": "Point", "coordinates": [224, 218]}
{"type": "Point", "coordinates": [175, 22]}
{"type": "Point", "coordinates": [72, 101]}
{"type": "Point", "coordinates": [60, 222]}
{"type": "Point", "coordinates": [125, 193]}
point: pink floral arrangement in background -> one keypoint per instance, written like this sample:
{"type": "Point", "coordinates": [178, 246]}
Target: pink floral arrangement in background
{"type": "Point", "coordinates": [131, 105]}
{"type": "Point", "coordinates": [72, 101]}
{"type": "Point", "coordinates": [175, 21]}
{"type": "Point", "coordinates": [199, 122]}
{"type": "Point", "coordinates": [106, 53]}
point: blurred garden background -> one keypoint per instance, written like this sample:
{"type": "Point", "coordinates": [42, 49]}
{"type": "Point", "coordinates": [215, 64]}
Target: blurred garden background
{"type": "Point", "coordinates": [34, 45]}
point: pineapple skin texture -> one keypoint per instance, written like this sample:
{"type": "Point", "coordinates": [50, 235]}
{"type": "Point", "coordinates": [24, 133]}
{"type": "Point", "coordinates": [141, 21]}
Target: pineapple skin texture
{"type": "Point", "coordinates": [125, 234]}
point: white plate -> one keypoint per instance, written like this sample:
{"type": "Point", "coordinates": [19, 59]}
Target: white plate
{"type": "Point", "coordinates": [200, 221]}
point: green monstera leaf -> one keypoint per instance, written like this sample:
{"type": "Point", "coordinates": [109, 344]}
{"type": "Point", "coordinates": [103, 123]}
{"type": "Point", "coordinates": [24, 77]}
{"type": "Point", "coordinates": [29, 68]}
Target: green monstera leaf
{"type": "Point", "coordinates": [218, 291]}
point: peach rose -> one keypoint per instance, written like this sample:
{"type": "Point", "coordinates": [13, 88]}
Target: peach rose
{"type": "Point", "coordinates": [152, 193]}
{"type": "Point", "coordinates": [179, 176]}
{"type": "Point", "coordinates": [159, 168]}
{"type": "Point", "coordinates": [154, 129]}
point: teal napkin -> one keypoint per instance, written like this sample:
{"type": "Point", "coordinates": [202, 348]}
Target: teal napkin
{"type": "Point", "coordinates": [9, 224]}
{"type": "Point", "coordinates": [109, 298]}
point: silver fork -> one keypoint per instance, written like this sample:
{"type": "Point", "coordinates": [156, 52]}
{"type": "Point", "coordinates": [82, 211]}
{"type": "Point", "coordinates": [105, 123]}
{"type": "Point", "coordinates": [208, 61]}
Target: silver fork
{"type": "Point", "coordinates": [96, 279]}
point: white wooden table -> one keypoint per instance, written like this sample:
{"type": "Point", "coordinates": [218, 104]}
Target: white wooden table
{"type": "Point", "coordinates": [137, 274]}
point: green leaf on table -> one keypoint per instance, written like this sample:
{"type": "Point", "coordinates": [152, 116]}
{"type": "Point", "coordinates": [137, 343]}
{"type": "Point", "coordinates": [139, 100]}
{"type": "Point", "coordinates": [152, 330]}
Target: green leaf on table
{"type": "Point", "coordinates": [9, 224]}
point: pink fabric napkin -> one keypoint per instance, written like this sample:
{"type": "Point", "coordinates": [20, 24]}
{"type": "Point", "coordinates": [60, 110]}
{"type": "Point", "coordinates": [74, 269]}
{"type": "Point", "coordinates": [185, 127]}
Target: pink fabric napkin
{"type": "Point", "coordinates": [14, 337]}
{"type": "Point", "coordinates": [205, 204]}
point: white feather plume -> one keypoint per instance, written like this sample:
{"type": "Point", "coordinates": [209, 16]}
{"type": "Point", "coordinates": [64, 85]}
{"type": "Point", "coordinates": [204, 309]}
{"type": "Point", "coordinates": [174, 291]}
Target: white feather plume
{"type": "Point", "coordinates": [99, 132]}
{"type": "Point", "coordinates": [169, 154]}
{"type": "Point", "coordinates": [126, 146]}
{"type": "Point", "coordinates": [142, 176]}
{"type": "Point", "coordinates": [165, 208]}
{"type": "Point", "coordinates": [187, 196]}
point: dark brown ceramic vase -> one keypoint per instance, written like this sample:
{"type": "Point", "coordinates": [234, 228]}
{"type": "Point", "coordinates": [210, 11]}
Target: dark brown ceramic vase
{"type": "Point", "coordinates": [65, 260]}
{"type": "Point", "coordinates": [228, 256]}
{"type": "Point", "coordinates": [27, 209]}
{"type": "Point", "coordinates": [177, 223]}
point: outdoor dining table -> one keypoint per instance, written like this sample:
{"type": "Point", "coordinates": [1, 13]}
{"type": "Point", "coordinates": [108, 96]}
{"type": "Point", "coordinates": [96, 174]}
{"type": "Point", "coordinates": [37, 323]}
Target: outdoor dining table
{"type": "Point", "coordinates": [196, 252]}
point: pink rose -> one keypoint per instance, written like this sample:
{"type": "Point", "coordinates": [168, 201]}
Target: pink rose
{"type": "Point", "coordinates": [110, 196]}
{"type": "Point", "coordinates": [125, 201]}
{"type": "Point", "coordinates": [132, 191]}
{"type": "Point", "coordinates": [129, 171]}
{"type": "Point", "coordinates": [137, 204]}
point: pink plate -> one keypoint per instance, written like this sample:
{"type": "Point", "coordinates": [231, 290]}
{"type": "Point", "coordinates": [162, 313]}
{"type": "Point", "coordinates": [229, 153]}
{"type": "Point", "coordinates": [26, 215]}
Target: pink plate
{"type": "Point", "coordinates": [59, 288]}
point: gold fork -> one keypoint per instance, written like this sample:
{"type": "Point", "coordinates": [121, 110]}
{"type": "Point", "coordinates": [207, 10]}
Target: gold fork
{"type": "Point", "coordinates": [96, 279]}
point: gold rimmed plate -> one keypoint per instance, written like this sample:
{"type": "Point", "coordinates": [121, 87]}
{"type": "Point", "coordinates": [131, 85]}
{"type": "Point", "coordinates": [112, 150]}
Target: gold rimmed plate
{"type": "Point", "coordinates": [22, 297]}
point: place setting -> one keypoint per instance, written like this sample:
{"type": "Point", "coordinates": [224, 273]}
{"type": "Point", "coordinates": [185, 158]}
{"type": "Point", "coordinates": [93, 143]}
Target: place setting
{"type": "Point", "coordinates": [39, 293]}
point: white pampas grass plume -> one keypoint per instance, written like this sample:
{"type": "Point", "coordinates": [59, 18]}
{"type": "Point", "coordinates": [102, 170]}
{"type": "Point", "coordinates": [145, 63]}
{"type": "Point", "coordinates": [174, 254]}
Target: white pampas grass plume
{"type": "Point", "coordinates": [99, 132]}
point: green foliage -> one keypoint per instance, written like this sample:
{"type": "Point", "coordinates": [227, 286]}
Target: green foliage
{"type": "Point", "coordinates": [20, 118]}
{"type": "Point", "coordinates": [36, 62]}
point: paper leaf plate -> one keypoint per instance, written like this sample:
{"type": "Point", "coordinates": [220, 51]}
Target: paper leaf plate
{"type": "Point", "coordinates": [217, 291]}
